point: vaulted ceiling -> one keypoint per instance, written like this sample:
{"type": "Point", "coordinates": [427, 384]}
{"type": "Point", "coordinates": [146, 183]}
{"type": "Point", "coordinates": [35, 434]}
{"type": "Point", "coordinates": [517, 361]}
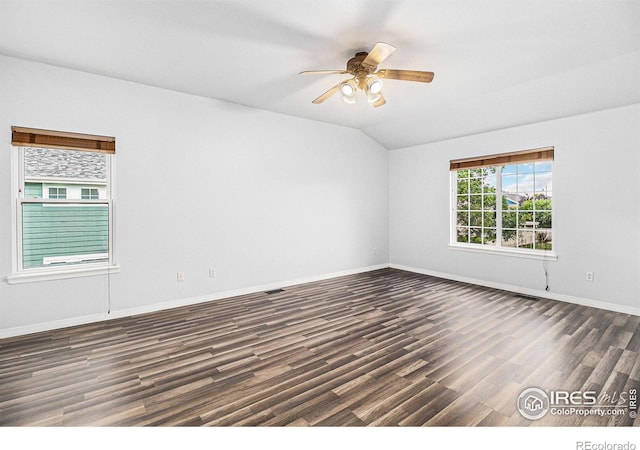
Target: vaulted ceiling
{"type": "Point", "coordinates": [497, 63]}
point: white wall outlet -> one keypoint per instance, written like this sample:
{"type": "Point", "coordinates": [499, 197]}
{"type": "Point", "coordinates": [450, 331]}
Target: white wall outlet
{"type": "Point", "coordinates": [589, 276]}
{"type": "Point", "coordinates": [180, 276]}
{"type": "Point", "coordinates": [212, 272]}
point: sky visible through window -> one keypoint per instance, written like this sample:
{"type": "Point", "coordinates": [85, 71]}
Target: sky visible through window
{"type": "Point", "coordinates": [524, 178]}
{"type": "Point", "coordinates": [505, 206]}
{"type": "Point", "coordinates": [527, 178]}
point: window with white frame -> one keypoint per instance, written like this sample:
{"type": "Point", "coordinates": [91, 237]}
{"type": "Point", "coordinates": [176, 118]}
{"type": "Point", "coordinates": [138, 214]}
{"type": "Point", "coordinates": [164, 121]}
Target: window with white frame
{"type": "Point", "coordinates": [89, 193]}
{"type": "Point", "coordinates": [503, 202]}
{"type": "Point", "coordinates": [63, 213]}
{"type": "Point", "coordinates": [57, 192]}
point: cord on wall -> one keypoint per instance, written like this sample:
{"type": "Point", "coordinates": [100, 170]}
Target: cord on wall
{"type": "Point", "coordinates": [545, 267]}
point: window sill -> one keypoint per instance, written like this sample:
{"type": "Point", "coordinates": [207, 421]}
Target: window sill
{"type": "Point", "coordinates": [48, 275]}
{"type": "Point", "coordinates": [529, 254]}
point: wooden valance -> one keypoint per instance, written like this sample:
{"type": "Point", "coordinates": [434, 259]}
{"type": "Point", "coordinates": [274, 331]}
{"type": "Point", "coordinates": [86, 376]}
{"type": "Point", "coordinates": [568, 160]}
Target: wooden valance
{"type": "Point", "coordinates": [538, 154]}
{"type": "Point", "coordinates": [33, 137]}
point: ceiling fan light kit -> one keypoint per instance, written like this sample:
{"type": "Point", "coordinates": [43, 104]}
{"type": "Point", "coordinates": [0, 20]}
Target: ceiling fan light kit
{"type": "Point", "coordinates": [374, 89]}
{"type": "Point", "coordinates": [348, 90]}
{"type": "Point", "coordinates": [363, 67]}
{"type": "Point", "coordinates": [375, 85]}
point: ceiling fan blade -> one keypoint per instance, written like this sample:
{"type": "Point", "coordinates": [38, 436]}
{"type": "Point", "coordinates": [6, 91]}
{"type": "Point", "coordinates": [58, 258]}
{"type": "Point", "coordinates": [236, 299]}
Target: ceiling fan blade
{"type": "Point", "coordinates": [322, 72]}
{"type": "Point", "coordinates": [381, 101]}
{"type": "Point", "coordinates": [327, 94]}
{"type": "Point", "coordinates": [378, 53]}
{"type": "Point", "coordinates": [405, 75]}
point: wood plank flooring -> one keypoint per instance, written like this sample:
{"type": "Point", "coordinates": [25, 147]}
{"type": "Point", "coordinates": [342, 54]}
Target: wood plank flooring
{"type": "Point", "coordinates": [382, 348]}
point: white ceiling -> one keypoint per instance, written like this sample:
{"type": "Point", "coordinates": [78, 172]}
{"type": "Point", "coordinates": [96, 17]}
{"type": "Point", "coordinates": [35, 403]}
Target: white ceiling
{"type": "Point", "coordinates": [497, 63]}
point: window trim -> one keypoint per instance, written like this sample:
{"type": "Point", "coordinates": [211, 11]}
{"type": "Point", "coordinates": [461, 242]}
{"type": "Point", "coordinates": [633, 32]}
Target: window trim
{"type": "Point", "coordinates": [545, 153]}
{"type": "Point", "coordinates": [548, 255]}
{"type": "Point", "coordinates": [34, 274]}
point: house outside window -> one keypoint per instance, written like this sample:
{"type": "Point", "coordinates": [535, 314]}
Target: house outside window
{"type": "Point", "coordinates": [57, 192]}
{"type": "Point", "coordinates": [63, 216]}
{"type": "Point", "coordinates": [503, 203]}
{"type": "Point", "coordinates": [89, 193]}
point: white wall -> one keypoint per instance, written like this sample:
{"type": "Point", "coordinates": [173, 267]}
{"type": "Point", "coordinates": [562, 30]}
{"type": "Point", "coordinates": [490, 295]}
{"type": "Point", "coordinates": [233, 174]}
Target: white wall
{"type": "Point", "coordinates": [200, 183]}
{"type": "Point", "coordinates": [596, 208]}
{"type": "Point", "coordinates": [266, 198]}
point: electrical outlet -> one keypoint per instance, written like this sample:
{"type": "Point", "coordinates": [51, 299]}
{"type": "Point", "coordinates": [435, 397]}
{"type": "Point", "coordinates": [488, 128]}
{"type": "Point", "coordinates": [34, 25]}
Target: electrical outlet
{"type": "Point", "coordinates": [180, 276]}
{"type": "Point", "coordinates": [212, 272]}
{"type": "Point", "coordinates": [589, 276]}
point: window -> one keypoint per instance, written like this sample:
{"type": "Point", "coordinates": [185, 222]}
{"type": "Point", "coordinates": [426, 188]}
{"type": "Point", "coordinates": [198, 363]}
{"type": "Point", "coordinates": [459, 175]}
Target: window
{"type": "Point", "coordinates": [503, 203]}
{"type": "Point", "coordinates": [64, 211]}
{"type": "Point", "coordinates": [89, 194]}
{"type": "Point", "coordinates": [57, 192]}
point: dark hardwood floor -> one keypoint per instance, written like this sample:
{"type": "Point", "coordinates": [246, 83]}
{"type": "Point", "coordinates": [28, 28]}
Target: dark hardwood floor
{"type": "Point", "coordinates": [380, 348]}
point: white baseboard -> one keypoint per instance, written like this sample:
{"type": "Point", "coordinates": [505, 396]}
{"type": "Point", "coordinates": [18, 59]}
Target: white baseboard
{"type": "Point", "coordinates": [53, 325]}
{"type": "Point", "coordinates": [526, 291]}
{"type": "Point", "coordinates": [236, 292]}
{"type": "Point", "coordinates": [83, 320]}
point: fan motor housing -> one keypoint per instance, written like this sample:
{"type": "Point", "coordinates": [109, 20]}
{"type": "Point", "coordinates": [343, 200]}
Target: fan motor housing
{"type": "Point", "coordinates": [359, 70]}
{"type": "Point", "coordinates": [355, 64]}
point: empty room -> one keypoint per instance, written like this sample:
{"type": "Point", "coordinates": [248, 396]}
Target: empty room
{"type": "Point", "coordinates": [320, 214]}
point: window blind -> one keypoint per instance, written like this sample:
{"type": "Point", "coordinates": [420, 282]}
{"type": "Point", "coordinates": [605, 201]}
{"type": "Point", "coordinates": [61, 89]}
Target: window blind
{"type": "Point", "coordinates": [34, 137]}
{"type": "Point", "coordinates": [538, 154]}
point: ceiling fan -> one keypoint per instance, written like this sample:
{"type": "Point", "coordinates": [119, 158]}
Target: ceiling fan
{"type": "Point", "coordinates": [363, 66]}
